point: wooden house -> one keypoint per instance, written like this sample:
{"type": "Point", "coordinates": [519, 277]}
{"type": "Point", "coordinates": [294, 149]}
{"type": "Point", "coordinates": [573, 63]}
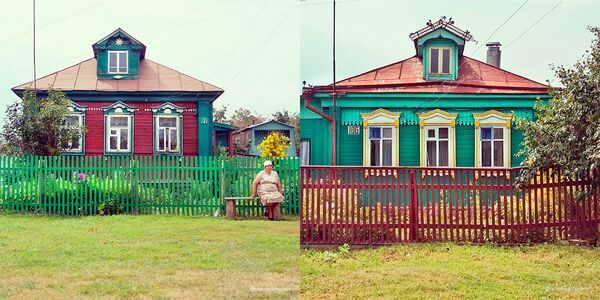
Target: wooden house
{"type": "Point", "coordinates": [436, 108]}
{"type": "Point", "coordinates": [131, 105]}
{"type": "Point", "coordinates": [256, 133]}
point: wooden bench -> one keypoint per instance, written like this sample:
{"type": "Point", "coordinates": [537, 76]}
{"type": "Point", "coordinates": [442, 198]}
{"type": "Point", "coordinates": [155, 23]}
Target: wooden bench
{"type": "Point", "coordinates": [230, 207]}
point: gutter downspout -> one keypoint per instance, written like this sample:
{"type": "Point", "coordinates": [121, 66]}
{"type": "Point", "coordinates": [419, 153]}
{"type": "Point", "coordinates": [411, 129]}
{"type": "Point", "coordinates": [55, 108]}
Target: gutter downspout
{"type": "Point", "coordinates": [307, 94]}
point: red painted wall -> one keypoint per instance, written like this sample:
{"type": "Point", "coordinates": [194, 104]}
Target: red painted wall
{"type": "Point", "coordinates": [143, 137]}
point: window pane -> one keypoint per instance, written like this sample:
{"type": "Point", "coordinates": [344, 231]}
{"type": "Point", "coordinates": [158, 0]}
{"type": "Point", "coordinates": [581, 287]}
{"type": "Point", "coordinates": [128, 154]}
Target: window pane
{"type": "Point", "coordinates": [486, 133]}
{"type": "Point", "coordinates": [374, 132]}
{"type": "Point", "coordinates": [387, 133]}
{"type": "Point", "coordinates": [434, 61]}
{"type": "Point", "coordinates": [119, 121]}
{"type": "Point", "coordinates": [443, 159]}
{"type": "Point", "coordinates": [173, 137]}
{"type": "Point", "coordinates": [443, 133]}
{"type": "Point", "coordinates": [498, 153]}
{"type": "Point", "coordinates": [498, 133]}
{"type": "Point", "coordinates": [375, 151]}
{"type": "Point", "coordinates": [113, 143]}
{"type": "Point", "coordinates": [167, 122]}
{"type": "Point", "coordinates": [161, 139]}
{"type": "Point", "coordinates": [123, 59]}
{"type": "Point", "coordinates": [112, 59]}
{"type": "Point", "coordinates": [431, 133]}
{"type": "Point", "coordinates": [486, 154]}
{"type": "Point", "coordinates": [387, 152]}
{"type": "Point", "coordinates": [113, 132]}
{"type": "Point", "coordinates": [446, 61]}
{"type": "Point", "coordinates": [431, 153]}
{"type": "Point", "coordinates": [305, 152]}
{"type": "Point", "coordinates": [124, 139]}
{"type": "Point", "coordinates": [74, 144]}
{"type": "Point", "coordinates": [72, 121]}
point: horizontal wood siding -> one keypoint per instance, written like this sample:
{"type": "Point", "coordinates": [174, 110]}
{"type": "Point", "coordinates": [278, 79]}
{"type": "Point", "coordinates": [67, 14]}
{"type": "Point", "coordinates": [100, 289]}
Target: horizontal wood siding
{"type": "Point", "coordinates": [409, 145]}
{"type": "Point", "coordinates": [465, 145]}
{"type": "Point", "coordinates": [143, 133]}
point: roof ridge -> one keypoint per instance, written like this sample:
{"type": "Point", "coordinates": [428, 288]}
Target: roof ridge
{"type": "Point", "coordinates": [375, 69]}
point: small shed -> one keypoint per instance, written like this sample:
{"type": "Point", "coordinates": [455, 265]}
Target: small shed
{"type": "Point", "coordinates": [258, 132]}
{"type": "Point", "coordinates": [223, 135]}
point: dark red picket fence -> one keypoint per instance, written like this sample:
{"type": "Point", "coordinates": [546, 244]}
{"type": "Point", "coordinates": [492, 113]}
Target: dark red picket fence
{"type": "Point", "coordinates": [386, 205]}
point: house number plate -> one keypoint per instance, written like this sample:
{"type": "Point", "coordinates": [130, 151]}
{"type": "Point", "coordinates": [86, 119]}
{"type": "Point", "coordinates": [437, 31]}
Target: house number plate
{"type": "Point", "coordinates": [353, 129]}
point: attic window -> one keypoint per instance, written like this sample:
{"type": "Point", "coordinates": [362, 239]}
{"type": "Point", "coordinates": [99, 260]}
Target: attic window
{"type": "Point", "coordinates": [117, 62]}
{"type": "Point", "coordinates": [439, 60]}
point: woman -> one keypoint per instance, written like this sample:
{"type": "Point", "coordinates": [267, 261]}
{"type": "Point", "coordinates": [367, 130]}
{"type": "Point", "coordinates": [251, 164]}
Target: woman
{"type": "Point", "coordinates": [269, 190]}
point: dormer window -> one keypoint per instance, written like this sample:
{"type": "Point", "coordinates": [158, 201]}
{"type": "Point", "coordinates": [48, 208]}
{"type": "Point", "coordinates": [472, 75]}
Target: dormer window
{"type": "Point", "coordinates": [117, 62]}
{"type": "Point", "coordinates": [439, 63]}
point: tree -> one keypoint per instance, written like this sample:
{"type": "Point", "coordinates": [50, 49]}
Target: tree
{"type": "Point", "coordinates": [219, 115]}
{"type": "Point", "coordinates": [243, 118]}
{"type": "Point", "coordinates": [566, 131]}
{"type": "Point", "coordinates": [292, 119]}
{"type": "Point", "coordinates": [274, 145]}
{"type": "Point", "coordinates": [37, 127]}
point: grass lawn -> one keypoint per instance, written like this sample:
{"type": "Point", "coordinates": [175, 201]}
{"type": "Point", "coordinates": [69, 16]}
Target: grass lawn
{"type": "Point", "coordinates": [448, 271]}
{"type": "Point", "coordinates": [149, 256]}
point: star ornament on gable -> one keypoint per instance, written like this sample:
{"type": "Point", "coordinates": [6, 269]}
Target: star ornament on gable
{"type": "Point", "coordinates": [119, 42]}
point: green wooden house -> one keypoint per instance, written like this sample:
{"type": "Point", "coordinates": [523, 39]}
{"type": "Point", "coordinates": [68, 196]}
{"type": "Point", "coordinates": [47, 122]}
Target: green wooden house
{"type": "Point", "coordinates": [436, 108]}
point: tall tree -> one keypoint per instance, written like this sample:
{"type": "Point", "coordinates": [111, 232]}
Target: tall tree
{"type": "Point", "coordinates": [37, 127]}
{"type": "Point", "coordinates": [566, 132]}
{"type": "Point", "coordinates": [243, 118]}
{"type": "Point", "coordinates": [219, 114]}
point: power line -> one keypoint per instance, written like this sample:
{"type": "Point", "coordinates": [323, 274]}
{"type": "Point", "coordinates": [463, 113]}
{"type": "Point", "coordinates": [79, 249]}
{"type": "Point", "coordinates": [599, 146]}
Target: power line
{"type": "Point", "coordinates": [532, 25]}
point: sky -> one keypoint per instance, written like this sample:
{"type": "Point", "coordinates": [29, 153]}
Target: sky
{"type": "Point", "coordinates": [250, 48]}
{"type": "Point", "coordinates": [374, 33]}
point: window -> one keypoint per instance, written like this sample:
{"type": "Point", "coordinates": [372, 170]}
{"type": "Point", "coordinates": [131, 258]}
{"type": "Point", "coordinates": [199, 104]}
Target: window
{"type": "Point", "coordinates": [380, 144]}
{"type": "Point", "coordinates": [437, 150]}
{"type": "Point", "coordinates": [437, 134]}
{"type": "Point", "coordinates": [492, 139]}
{"type": "Point", "coordinates": [305, 152]}
{"type": "Point", "coordinates": [439, 60]}
{"type": "Point", "coordinates": [118, 138]}
{"type": "Point", "coordinates": [492, 146]}
{"type": "Point", "coordinates": [75, 145]}
{"type": "Point", "coordinates": [167, 134]}
{"type": "Point", "coordinates": [117, 62]}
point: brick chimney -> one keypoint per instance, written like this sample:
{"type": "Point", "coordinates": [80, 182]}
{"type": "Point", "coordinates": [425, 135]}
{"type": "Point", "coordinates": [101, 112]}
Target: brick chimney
{"type": "Point", "coordinates": [493, 54]}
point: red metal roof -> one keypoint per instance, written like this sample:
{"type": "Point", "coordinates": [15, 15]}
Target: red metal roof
{"type": "Point", "coordinates": [406, 76]}
{"type": "Point", "coordinates": [153, 77]}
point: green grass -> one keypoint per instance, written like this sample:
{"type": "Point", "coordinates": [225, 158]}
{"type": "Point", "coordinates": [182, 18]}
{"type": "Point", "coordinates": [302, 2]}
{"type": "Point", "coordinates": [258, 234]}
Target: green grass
{"type": "Point", "coordinates": [149, 256]}
{"type": "Point", "coordinates": [448, 271]}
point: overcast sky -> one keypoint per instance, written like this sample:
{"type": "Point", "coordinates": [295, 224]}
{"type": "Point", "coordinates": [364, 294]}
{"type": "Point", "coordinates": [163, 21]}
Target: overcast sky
{"type": "Point", "coordinates": [374, 33]}
{"type": "Point", "coordinates": [250, 48]}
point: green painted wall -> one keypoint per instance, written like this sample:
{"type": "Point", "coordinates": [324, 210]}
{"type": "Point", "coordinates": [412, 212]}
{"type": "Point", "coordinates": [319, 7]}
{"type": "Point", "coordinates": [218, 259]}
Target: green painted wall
{"type": "Point", "coordinates": [409, 146]}
{"type": "Point", "coordinates": [317, 131]}
{"type": "Point", "coordinates": [205, 128]}
{"type": "Point", "coordinates": [349, 155]}
{"type": "Point", "coordinates": [516, 138]}
{"type": "Point", "coordinates": [465, 145]}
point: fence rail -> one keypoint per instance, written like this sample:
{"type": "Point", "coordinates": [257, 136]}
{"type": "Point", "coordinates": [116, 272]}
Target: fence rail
{"type": "Point", "coordinates": [86, 185]}
{"type": "Point", "coordinates": [383, 205]}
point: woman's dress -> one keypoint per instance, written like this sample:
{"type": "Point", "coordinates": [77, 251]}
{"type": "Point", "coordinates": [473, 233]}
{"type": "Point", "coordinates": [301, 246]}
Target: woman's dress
{"type": "Point", "coordinates": [267, 188]}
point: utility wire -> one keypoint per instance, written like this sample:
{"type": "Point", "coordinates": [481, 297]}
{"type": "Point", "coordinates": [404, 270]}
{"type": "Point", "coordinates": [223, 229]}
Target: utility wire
{"type": "Point", "coordinates": [533, 24]}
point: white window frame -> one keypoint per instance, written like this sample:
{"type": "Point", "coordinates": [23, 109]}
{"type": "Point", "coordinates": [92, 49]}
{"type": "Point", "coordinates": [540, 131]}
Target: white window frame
{"type": "Point", "coordinates": [380, 118]}
{"type": "Point", "coordinates": [167, 147]}
{"type": "Point", "coordinates": [493, 119]}
{"type": "Point", "coordinates": [118, 134]}
{"type": "Point", "coordinates": [70, 148]}
{"type": "Point", "coordinates": [492, 140]}
{"type": "Point", "coordinates": [440, 60]}
{"type": "Point", "coordinates": [381, 139]}
{"type": "Point", "coordinates": [435, 119]}
{"type": "Point", "coordinates": [118, 52]}
{"type": "Point", "coordinates": [437, 141]}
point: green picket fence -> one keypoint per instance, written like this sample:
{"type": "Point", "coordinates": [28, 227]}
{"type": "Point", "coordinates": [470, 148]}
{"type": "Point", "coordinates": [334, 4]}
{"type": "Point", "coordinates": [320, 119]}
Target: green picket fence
{"type": "Point", "coordinates": [88, 185]}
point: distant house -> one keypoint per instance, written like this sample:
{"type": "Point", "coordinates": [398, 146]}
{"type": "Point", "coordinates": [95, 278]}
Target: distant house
{"type": "Point", "coordinates": [436, 108]}
{"type": "Point", "coordinates": [255, 134]}
{"type": "Point", "coordinates": [132, 105]}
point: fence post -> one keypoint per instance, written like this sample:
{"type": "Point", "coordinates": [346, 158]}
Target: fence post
{"type": "Point", "coordinates": [412, 200]}
{"type": "Point", "coordinates": [222, 184]}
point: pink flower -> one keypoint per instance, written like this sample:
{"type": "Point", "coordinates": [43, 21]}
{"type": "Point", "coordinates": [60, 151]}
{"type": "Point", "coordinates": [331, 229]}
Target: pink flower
{"type": "Point", "coordinates": [81, 177]}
